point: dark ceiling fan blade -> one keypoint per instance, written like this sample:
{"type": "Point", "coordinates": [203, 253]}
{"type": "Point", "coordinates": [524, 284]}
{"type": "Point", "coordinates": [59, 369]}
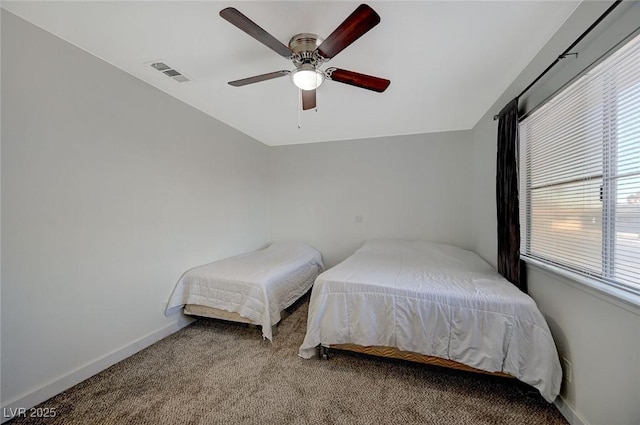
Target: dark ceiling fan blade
{"type": "Point", "coordinates": [258, 78]}
{"type": "Point", "coordinates": [359, 80]}
{"type": "Point", "coordinates": [308, 99]}
{"type": "Point", "coordinates": [232, 15]}
{"type": "Point", "coordinates": [357, 24]}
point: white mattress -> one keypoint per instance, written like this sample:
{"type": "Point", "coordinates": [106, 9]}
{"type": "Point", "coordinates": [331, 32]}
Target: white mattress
{"type": "Point", "coordinates": [437, 300]}
{"type": "Point", "coordinates": [257, 285]}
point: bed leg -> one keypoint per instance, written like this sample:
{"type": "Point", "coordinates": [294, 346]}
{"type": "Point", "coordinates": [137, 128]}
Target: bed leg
{"type": "Point", "coordinates": [323, 352]}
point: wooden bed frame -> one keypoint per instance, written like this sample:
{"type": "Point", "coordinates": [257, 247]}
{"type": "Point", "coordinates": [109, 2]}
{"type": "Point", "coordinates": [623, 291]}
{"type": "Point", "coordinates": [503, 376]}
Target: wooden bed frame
{"type": "Point", "coordinates": [394, 353]}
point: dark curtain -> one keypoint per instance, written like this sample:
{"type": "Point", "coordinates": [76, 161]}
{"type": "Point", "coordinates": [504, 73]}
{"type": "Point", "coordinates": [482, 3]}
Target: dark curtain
{"type": "Point", "coordinates": [507, 195]}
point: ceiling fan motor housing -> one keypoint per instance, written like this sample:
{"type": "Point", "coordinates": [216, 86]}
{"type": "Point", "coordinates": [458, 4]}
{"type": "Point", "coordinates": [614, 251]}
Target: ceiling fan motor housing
{"type": "Point", "coordinates": [304, 47]}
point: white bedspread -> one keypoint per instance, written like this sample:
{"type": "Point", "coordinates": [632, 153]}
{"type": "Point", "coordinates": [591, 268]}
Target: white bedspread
{"type": "Point", "coordinates": [437, 300]}
{"type": "Point", "coordinates": [257, 285]}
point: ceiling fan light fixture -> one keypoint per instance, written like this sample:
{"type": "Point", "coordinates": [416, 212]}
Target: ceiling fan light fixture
{"type": "Point", "coordinates": [308, 52]}
{"type": "Point", "coordinates": [307, 77]}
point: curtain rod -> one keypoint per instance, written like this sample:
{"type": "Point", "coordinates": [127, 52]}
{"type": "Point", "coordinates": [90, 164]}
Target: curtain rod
{"type": "Point", "coordinates": [567, 51]}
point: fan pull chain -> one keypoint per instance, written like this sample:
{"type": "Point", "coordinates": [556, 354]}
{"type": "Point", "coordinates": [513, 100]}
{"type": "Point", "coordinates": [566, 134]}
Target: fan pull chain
{"type": "Point", "coordinates": [299, 109]}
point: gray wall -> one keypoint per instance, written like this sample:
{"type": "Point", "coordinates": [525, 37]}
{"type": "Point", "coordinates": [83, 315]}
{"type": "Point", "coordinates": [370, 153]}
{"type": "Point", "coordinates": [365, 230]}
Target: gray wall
{"type": "Point", "coordinates": [414, 187]}
{"type": "Point", "coordinates": [598, 334]}
{"type": "Point", "coordinates": [110, 190]}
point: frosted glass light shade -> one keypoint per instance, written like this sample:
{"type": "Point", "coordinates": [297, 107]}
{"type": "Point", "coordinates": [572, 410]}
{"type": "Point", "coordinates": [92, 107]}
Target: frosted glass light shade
{"type": "Point", "coordinates": [307, 78]}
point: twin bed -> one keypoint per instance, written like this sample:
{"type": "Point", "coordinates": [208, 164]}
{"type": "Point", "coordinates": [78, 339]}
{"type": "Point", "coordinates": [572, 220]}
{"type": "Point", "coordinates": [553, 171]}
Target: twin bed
{"type": "Point", "coordinates": [251, 288]}
{"type": "Point", "coordinates": [416, 301]}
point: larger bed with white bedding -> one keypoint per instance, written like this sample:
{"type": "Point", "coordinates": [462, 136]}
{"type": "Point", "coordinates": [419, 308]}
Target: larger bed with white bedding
{"type": "Point", "coordinates": [434, 300]}
{"type": "Point", "coordinates": [252, 288]}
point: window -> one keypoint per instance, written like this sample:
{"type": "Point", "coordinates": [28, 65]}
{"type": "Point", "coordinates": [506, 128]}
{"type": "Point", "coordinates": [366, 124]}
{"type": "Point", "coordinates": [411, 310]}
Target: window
{"type": "Point", "coordinates": [580, 174]}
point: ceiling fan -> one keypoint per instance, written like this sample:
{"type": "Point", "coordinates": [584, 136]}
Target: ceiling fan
{"type": "Point", "coordinates": [308, 52]}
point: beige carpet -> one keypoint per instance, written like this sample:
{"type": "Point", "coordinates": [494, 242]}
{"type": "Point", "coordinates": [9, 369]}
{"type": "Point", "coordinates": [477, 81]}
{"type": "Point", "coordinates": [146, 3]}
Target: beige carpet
{"type": "Point", "coordinates": [214, 372]}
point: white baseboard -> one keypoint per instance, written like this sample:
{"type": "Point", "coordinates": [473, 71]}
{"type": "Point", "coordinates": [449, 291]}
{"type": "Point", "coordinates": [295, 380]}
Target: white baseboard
{"type": "Point", "coordinates": [82, 373]}
{"type": "Point", "coordinates": [567, 411]}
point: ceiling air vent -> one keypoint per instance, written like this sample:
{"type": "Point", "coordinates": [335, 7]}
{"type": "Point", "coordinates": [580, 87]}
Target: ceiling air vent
{"type": "Point", "coordinates": [168, 71]}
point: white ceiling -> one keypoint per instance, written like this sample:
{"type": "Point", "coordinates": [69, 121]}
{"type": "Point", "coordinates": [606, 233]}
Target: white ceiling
{"type": "Point", "coordinates": [448, 61]}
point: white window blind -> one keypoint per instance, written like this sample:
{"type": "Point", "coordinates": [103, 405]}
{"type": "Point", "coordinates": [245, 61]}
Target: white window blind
{"type": "Point", "coordinates": [580, 174]}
